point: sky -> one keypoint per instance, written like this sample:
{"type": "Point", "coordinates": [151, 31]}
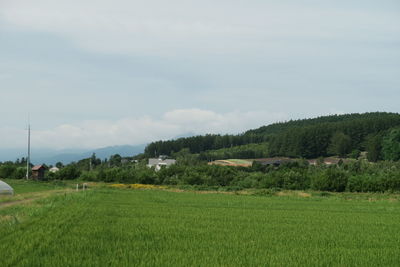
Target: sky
{"type": "Point", "coordinates": [96, 73]}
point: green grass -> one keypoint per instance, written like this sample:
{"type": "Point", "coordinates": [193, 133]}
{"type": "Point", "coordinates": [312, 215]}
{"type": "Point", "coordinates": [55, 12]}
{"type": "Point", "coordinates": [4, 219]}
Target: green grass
{"type": "Point", "coordinates": [110, 227]}
{"type": "Point", "coordinates": [23, 186]}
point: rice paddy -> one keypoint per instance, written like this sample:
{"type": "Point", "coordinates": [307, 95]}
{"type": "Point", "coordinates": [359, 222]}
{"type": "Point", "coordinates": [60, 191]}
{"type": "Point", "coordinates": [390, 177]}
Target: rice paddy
{"type": "Point", "coordinates": [151, 227]}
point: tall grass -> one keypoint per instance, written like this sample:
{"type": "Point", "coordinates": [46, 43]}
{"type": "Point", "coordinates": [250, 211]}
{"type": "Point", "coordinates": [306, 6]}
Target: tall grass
{"type": "Point", "coordinates": [111, 227]}
{"type": "Point", "coordinates": [22, 186]}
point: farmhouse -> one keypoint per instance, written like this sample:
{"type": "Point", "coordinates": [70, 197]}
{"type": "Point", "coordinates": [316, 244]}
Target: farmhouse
{"type": "Point", "coordinates": [38, 172]}
{"type": "Point", "coordinates": [160, 162]}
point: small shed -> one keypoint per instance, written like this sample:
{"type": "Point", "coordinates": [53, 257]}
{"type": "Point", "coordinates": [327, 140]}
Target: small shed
{"type": "Point", "coordinates": [38, 172]}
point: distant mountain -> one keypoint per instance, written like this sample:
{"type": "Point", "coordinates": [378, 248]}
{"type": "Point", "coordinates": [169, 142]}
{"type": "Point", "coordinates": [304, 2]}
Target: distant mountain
{"type": "Point", "coordinates": [48, 156]}
{"type": "Point", "coordinates": [102, 153]}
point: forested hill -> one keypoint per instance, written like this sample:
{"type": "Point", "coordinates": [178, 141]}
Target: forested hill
{"type": "Point", "coordinates": [280, 127]}
{"type": "Point", "coordinates": [308, 138]}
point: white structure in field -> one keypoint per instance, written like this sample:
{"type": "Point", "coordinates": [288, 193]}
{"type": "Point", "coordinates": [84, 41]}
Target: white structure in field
{"type": "Point", "coordinates": [5, 189]}
{"type": "Point", "coordinates": [161, 162]}
{"type": "Point", "coordinates": [54, 170]}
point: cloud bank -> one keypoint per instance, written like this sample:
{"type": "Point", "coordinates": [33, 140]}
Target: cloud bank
{"type": "Point", "coordinates": [97, 72]}
{"type": "Point", "coordinates": [165, 28]}
{"type": "Point", "coordinates": [134, 131]}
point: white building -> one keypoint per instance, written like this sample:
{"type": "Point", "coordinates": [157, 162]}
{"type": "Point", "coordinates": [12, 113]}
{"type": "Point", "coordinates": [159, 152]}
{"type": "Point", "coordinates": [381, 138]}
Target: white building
{"type": "Point", "coordinates": [160, 163]}
{"type": "Point", "coordinates": [54, 170]}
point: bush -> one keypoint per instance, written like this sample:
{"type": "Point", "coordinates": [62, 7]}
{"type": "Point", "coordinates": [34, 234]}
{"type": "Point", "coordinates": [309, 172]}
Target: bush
{"type": "Point", "coordinates": [251, 180]}
{"type": "Point", "coordinates": [295, 180]}
{"type": "Point", "coordinates": [89, 176]}
{"type": "Point", "coordinates": [69, 172]}
{"type": "Point", "coordinates": [332, 179]}
{"type": "Point", "coordinates": [272, 180]}
{"type": "Point", "coordinates": [7, 171]}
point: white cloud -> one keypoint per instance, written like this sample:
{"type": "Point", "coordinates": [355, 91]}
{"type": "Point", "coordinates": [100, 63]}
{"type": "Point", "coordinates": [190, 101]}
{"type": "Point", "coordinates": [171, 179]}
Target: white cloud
{"type": "Point", "coordinates": [168, 27]}
{"type": "Point", "coordinates": [95, 134]}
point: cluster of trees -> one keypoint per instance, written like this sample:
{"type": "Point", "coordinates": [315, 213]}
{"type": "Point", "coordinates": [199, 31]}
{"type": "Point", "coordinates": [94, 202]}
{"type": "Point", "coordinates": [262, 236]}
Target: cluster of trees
{"type": "Point", "coordinates": [197, 144]}
{"type": "Point", "coordinates": [15, 170]}
{"type": "Point", "coordinates": [10, 170]}
{"type": "Point", "coordinates": [250, 151]}
{"type": "Point", "coordinates": [311, 138]}
{"type": "Point", "coordinates": [355, 176]}
{"type": "Point", "coordinates": [332, 138]}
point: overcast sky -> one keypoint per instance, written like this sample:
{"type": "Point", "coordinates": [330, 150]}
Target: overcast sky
{"type": "Point", "coordinates": [94, 73]}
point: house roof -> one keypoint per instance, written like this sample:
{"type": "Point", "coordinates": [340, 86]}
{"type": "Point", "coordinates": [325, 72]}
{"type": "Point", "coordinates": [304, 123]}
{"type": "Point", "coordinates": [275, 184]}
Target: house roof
{"type": "Point", "coordinates": [37, 167]}
{"type": "Point", "coordinates": [154, 162]}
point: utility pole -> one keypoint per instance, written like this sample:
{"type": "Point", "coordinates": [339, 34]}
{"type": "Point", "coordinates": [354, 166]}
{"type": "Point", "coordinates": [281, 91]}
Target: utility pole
{"type": "Point", "coordinates": [28, 159]}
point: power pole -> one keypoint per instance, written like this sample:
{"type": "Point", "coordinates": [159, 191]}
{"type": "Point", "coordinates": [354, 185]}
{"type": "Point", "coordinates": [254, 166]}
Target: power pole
{"type": "Point", "coordinates": [29, 152]}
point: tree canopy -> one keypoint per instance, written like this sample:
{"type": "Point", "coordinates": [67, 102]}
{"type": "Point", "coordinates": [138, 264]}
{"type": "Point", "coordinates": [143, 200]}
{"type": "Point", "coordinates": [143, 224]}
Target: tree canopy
{"type": "Point", "coordinates": [308, 138]}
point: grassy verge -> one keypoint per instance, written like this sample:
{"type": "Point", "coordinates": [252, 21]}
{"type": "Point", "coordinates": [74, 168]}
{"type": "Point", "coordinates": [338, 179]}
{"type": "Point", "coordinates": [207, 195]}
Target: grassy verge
{"type": "Point", "coordinates": [23, 186]}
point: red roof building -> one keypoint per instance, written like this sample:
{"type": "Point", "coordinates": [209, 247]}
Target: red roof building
{"type": "Point", "coordinates": [38, 172]}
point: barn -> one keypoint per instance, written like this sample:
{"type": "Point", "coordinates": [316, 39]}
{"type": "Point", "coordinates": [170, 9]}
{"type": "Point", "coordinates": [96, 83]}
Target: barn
{"type": "Point", "coordinates": [38, 172]}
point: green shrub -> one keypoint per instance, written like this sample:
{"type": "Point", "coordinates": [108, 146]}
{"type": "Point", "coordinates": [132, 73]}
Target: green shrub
{"type": "Point", "coordinates": [331, 179]}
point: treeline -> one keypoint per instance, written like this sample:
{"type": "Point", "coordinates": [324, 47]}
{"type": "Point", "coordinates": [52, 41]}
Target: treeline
{"type": "Point", "coordinates": [352, 176]}
{"type": "Point", "coordinates": [250, 151]}
{"type": "Point", "coordinates": [14, 170]}
{"type": "Point", "coordinates": [310, 138]}
{"type": "Point", "coordinates": [355, 176]}
{"type": "Point", "coordinates": [339, 137]}
{"type": "Point", "coordinates": [17, 169]}
{"type": "Point", "coordinates": [198, 144]}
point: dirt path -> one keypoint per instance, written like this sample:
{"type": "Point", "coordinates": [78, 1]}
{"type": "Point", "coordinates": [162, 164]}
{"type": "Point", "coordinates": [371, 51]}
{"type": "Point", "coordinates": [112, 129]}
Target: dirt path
{"type": "Point", "coordinates": [30, 197]}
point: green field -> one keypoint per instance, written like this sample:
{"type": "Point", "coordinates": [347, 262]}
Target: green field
{"type": "Point", "coordinates": [114, 227]}
{"type": "Point", "coordinates": [22, 186]}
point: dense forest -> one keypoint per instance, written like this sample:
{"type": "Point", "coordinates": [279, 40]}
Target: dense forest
{"type": "Point", "coordinates": [309, 138]}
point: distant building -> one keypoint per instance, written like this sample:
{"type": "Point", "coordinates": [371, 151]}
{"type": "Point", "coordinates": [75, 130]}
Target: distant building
{"type": "Point", "coordinates": [38, 172]}
{"type": "Point", "coordinates": [274, 161]}
{"type": "Point", "coordinates": [327, 161]}
{"type": "Point", "coordinates": [160, 163]}
{"type": "Point", "coordinates": [54, 170]}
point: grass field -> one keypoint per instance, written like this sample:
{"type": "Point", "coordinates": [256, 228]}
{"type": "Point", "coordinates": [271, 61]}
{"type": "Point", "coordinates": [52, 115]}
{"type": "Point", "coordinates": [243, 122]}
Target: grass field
{"type": "Point", "coordinates": [22, 186]}
{"type": "Point", "coordinates": [114, 227]}
{"type": "Point", "coordinates": [29, 191]}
